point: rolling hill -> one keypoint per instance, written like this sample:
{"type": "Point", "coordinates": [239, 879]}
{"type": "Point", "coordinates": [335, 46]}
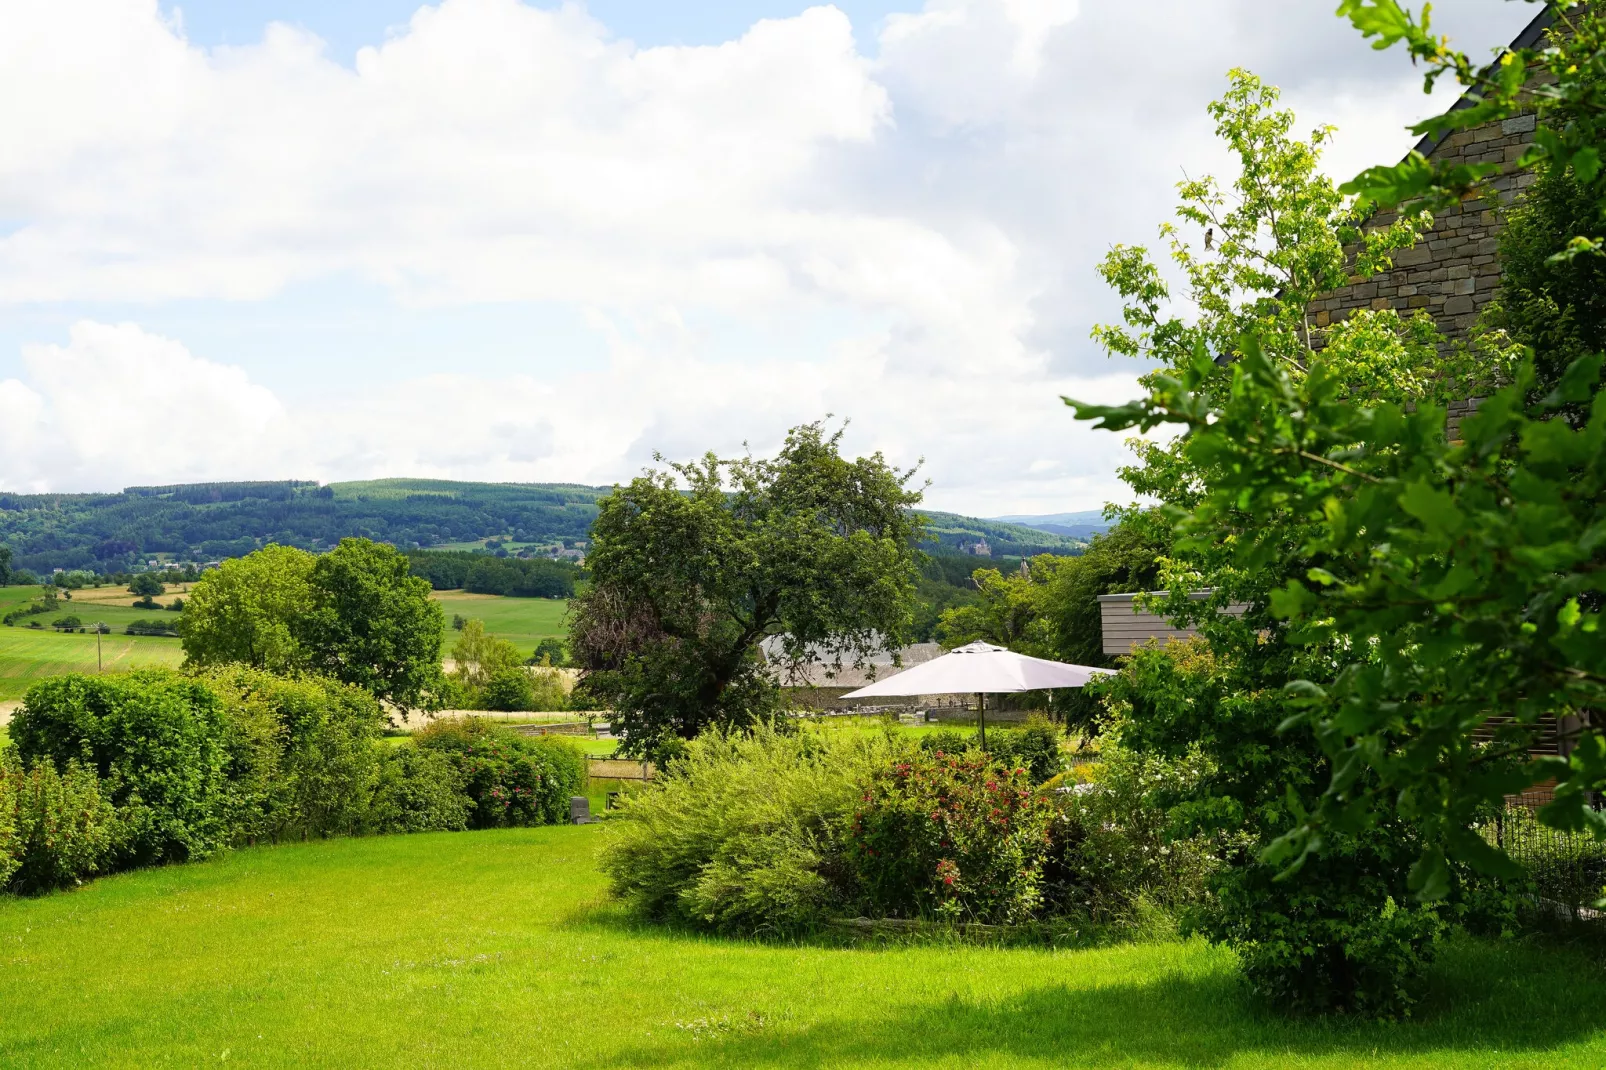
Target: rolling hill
{"type": "Point", "coordinates": [1081, 525]}
{"type": "Point", "coordinates": [201, 522]}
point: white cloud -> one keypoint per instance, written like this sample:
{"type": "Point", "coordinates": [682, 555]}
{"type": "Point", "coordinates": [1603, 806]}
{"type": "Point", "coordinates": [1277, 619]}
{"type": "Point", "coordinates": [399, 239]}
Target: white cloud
{"type": "Point", "coordinates": [118, 406]}
{"type": "Point", "coordinates": [939, 207]}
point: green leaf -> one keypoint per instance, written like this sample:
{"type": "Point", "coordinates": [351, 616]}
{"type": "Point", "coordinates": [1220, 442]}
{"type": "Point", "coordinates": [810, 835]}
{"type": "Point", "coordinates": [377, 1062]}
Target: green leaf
{"type": "Point", "coordinates": [1435, 508]}
{"type": "Point", "coordinates": [1429, 879]}
{"type": "Point", "coordinates": [1586, 164]}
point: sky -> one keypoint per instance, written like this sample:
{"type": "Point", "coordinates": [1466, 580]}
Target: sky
{"type": "Point", "coordinates": [530, 241]}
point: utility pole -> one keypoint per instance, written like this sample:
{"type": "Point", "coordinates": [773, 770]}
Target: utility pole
{"type": "Point", "coordinates": [98, 667]}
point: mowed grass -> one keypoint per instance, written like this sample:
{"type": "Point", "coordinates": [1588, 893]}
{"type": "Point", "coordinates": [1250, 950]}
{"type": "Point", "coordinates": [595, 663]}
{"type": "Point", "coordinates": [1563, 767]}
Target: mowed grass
{"type": "Point", "coordinates": [28, 656]}
{"type": "Point", "coordinates": [500, 949]}
{"type": "Point", "coordinates": [524, 622]}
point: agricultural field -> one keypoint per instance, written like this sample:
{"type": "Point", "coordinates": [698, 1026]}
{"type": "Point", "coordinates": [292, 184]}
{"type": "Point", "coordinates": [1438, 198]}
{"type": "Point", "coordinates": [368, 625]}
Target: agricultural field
{"type": "Point", "coordinates": [113, 606]}
{"type": "Point", "coordinates": [524, 622]}
{"type": "Point", "coordinates": [28, 656]}
{"type": "Point", "coordinates": [500, 948]}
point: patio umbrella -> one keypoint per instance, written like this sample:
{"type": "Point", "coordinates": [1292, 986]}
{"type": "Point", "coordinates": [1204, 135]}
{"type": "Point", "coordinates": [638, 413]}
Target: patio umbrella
{"type": "Point", "coordinates": [981, 669]}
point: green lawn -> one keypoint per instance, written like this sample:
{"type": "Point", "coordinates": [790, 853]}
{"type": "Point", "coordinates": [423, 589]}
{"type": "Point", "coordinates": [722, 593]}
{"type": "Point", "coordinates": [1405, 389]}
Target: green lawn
{"type": "Point", "coordinates": [28, 656]}
{"type": "Point", "coordinates": [523, 622]}
{"type": "Point", "coordinates": [500, 949]}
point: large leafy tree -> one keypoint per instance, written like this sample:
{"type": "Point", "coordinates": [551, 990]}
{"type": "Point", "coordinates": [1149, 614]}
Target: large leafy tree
{"type": "Point", "coordinates": [1449, 592]}
{"type": "Point", "coordinates": [243, 610]}
{"type": "Point", "coordinates": [372, 623]}
{"type": "Point", "coordinates": [356, 614]}
{"type": "Point", "coordinates": [1341, 933]}
{"type": "Point", "coordinates": [694, 566]}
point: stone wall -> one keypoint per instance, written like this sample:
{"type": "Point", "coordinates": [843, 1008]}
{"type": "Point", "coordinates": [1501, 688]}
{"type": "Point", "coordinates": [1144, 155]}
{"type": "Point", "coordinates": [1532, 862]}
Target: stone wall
{"type": "Point", "coordinates": [1452, 272]}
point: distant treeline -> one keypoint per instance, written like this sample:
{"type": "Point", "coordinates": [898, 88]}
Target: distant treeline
{"type": "Point", "coordinates": [107, 533]}
{"type": "Point", "coordinates": [200, 522]}
{"type": "Point", "coordinates": [525, 578]}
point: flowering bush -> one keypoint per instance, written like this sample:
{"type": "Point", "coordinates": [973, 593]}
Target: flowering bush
{"type": "Point", "coordinates": [955, 836]}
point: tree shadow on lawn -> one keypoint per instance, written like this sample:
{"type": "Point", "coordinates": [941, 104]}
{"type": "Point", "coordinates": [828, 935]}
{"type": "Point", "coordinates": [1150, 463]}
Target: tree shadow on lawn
{"type": "Point", "coordinates": [1481, 998]}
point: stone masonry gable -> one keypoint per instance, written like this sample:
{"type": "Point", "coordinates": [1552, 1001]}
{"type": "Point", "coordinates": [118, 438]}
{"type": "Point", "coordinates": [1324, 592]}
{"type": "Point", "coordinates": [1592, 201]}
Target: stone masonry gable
{"type": "Point", "coordinates": [1452, 272]}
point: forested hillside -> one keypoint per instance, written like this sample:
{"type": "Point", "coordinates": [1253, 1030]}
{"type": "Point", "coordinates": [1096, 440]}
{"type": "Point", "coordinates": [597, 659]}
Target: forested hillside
{"type": "Point", "coordinates": [210, 521]}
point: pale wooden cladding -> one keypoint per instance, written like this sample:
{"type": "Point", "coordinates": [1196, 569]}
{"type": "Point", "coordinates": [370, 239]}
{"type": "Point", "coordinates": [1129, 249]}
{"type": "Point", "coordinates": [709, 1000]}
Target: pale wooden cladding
{"type": "Point", "coordinates": [1127, 627]}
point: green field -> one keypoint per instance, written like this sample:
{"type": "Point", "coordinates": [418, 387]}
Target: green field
{"type": "Point", "coordinates": [90, 606]}
{"type": "Point", "coordinates": [500, 949]}
{"type": "Point", "coordinates": [28, 656]}
{"type": "Point", "coordinates": [523, 622]}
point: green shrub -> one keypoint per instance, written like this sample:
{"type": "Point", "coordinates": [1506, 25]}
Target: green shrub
{"type": "Point", "coordinates": [1343, 932]}
{"type": "Point", "coordinates": [550, 651]}
{"type": "Point", "coordinates": [749, 833]}
{"type": "Point", "coordinates": [1034, 747]}
{"type": "Point", "coordinates": [510, 779]}
{"type": "Point", "coordinates": [10, 840]}
{"type": "Point", "coordinates": [418, 790]}
{"type": "Point", "coordinates": [302, 754]}
{"type": "Point", "coordinates": [156, 736]}
{"type": "Point", "coordinates": [1110, 846]}
{"type": "Point", "coordinates": [547, 691]}
{"type": "Point", "coordinates": [55, 828]}
{"type": "Point", "coordinates": [508, 689]}
{"type": "Point", "coordinates": [956, 836]}
{"type": "Point", "coordinates": [946, 741]}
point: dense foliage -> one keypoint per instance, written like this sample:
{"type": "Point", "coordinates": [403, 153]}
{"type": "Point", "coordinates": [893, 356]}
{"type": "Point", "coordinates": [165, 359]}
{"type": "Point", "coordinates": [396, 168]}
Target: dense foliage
{"type": "Point", "coordinates": [213, 521]}
{"type": "Point", "coordinates": [1344, 929]}
{"type": "Point", "coordinates": [157, 739]}
{"type": "Point", "coordinates": [373, 624]}
{"type": "Point", "coordinates": [694, 566]}
{"type": "Point", "coordinates": [482, 574]}
{"type": "Point", "coordinates": [509, 779]}
{"type": "Point", "coordinates": [955, 836]}
{"type": "Point", "coordinates": [108, 772]}
{"type": "Point", "coordinates": [302, 754]}
{"type": "Point", "coordinates": [768, 831]}
{"type": "Point", "coordinates": [1556, 305]}
{"type": "Point", "coordinates": [55, 828]}
{"type": "Point", "coordinates": [356, 614]}
{"type": "Point", "coordinates": [1450, 591]}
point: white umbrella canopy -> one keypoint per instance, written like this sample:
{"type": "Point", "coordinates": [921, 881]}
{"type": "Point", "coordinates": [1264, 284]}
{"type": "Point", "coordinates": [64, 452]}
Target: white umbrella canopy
{"type": "Point", "coordinates": [980, 668]}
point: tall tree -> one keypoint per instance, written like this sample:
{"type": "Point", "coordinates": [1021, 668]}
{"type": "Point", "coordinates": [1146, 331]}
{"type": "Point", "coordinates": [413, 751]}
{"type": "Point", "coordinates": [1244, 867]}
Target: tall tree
{"type": "Point", "coordinates": [694, 566]}
{"type": "Point", "coordinates": [476, 656]}
{"type": "Point", "coordinates": [372, 623]}
{"type": "Point", "coordinates": [1435, 598]}
{"type": "Point", "coordinates": [1342, 931]}
{"type": "Point", "coordinates": [243, 610]}
{"type": "Point", "coordinates": [356, 614]}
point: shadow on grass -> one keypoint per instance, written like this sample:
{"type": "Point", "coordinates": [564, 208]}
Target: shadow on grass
{"type": "Point", "coordinates": [1481, 997]}
{"type": "Point", "coordinates": [604, 913]}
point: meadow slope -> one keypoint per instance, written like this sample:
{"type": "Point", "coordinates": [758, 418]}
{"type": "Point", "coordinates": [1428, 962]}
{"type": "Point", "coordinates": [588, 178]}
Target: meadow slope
{"type": "Point", "coordinates": [500, 949]}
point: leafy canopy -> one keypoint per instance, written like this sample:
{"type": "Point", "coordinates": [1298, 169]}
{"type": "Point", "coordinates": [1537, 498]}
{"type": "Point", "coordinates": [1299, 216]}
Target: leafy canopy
{"type": "Point", "coordinates": [1453, 588]}
{"type": "Point", "coordinates": [693, 566]}
{"type": "Point", "coordinates": [355, 614]}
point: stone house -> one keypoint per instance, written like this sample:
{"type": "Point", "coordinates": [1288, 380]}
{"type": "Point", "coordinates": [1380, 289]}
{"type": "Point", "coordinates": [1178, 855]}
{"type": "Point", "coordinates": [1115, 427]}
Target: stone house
{"type": "Point", "coordinates": [1452, 273]}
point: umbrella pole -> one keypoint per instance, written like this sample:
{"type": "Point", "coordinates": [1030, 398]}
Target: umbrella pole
{"type": "Point", "coordinates": [981, 718]}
